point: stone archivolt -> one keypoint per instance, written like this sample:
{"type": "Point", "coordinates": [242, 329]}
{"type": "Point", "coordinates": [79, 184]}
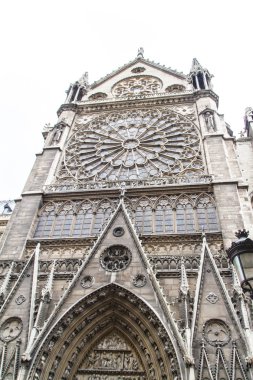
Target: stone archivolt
{"type": "Point", "coordinates": [115, 324]}
{"type": "Point", "coordinates": [133, 145]}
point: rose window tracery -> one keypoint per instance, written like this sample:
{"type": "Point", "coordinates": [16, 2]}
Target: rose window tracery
{"type": "Point", "coordinates": [139, 85]}
{"type": "Point", "coordinates": [115, 258]}
{"type": "Point", "coordinates": [134, 145]}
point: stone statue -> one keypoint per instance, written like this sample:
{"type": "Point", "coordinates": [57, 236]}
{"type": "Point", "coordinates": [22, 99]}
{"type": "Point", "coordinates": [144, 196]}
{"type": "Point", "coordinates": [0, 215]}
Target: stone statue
{"type": "Point", "coordinates": [140, 53]}
{"type": "Point", "coordinates": [57, 135]}
{"type": "Point", "coordinates": [209, 120]}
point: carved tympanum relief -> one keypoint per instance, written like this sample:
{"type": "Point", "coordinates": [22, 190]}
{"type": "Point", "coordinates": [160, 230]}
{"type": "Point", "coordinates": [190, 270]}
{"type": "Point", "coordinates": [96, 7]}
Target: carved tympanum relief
{"type": "Point", "coordinates": [133, 145]}
{"type": "Point", "coordinates": [142, 84]}
{"type": "Point", "coordinates": [112, 357]}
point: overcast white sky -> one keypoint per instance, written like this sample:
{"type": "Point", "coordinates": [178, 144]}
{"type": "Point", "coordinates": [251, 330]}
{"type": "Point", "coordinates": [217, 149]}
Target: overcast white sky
{"type": "Point", "coordinates": [45, 45]}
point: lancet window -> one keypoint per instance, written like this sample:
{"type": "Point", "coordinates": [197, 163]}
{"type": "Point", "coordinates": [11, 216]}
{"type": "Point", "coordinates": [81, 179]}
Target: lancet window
{"type": "Point", "coordinates": [73, 219]}
{"type": "Point", "coordinates": [154, 215]}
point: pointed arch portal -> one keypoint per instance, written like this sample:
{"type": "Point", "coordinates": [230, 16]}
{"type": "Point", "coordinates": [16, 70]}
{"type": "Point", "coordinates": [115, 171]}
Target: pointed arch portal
{"type": "Point", "coordinates": [110, 334]}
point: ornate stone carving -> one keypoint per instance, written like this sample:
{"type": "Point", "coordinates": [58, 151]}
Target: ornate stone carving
{"type": "Point", "coordinates": [216, 332]}
{"type": "Point", "coordinates": [87, 282]}
{"type": "Point", "coordinates": [115, 355]}
{"type": "Point", "coordinates": [139, 280]}
{"type": "Point", "coordinates": [212, 298]}
{"type": "Point", "coordinates": [142, 84]}
{"type": "Point", "coordinates": [133, 145]}
{"type": "Point", "coordinates": [11, 329]}
{"type": "Point", "coordinates": [128, 308]}
{"type": "Point", "coordinates": [115, 258]}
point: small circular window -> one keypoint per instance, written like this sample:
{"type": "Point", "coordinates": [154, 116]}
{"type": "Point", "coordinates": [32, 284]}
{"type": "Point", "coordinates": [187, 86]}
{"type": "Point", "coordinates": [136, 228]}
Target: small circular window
{"type": "Point", "coordinates": [115, 258]}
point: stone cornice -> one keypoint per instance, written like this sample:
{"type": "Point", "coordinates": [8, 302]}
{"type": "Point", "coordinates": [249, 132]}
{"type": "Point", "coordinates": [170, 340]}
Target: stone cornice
{"type": "Point", "coordinates": [111, 104]}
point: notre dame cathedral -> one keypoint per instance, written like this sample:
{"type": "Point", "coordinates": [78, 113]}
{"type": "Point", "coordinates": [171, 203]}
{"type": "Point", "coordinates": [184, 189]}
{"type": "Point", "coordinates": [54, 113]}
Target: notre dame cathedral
{"type": "Point", "coordinates": [113, 264]}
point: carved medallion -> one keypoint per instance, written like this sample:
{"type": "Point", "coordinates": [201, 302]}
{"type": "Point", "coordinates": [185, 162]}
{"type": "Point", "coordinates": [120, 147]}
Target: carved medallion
{"type": "Point", "coordinates": [139, 280]}
{"type": "Point", "coordinates": [133, 145]}
{"type": "Point", "coordinates": [212, 298]}
{"type": "Point", "coordinates": [115, 258]}
{"type": "Point", "coordinates": [87, 281]}
{"type": "Point", "coordinates": [216, 332]}
{"type": "Point", "coordinates": [20, 299]}
{"type": "Point", "coordinates": [11, 329]}
{"type": "Point", "coordinates": [118, 231]}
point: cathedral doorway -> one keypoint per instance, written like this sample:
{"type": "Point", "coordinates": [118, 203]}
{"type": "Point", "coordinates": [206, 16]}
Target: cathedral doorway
{"type": "Point", "coordinates": [110, 334]}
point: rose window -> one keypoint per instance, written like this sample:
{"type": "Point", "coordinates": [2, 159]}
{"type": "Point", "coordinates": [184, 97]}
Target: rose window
{"type": "Point", "coordinates": [115, 258]}
{"type": "Point", "coordinates": [139, 85]}
{"type": "Point", "coordinates": [134, 145]}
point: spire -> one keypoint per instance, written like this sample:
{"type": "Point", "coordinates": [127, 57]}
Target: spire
{"type": "Point", "coordinates": [196, 66]}
{"type": "Point", "coordinates": [199, 76]}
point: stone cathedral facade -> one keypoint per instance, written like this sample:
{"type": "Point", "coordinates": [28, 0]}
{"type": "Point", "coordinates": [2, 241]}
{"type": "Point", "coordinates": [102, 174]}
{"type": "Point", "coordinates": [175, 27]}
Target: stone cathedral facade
{"type": "Point", "coordinates": [113, 264]}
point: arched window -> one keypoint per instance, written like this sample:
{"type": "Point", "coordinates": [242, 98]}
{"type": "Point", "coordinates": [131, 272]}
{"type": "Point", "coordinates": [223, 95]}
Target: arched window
{"type": "Point", "coordinates": [45, 222]}
{"type": "Point", "coordinates": [144, 217]}
{"type": "Point", "coordinates": [164, 217]}
{"type": "Point", "coordinates": [63, 221]}
{"type": "Point", "coordinates": [184, 217]}
{"type": "Point", "coordinates": [83, 221]}
{"type": "Point", "coordinates": [206, 215]}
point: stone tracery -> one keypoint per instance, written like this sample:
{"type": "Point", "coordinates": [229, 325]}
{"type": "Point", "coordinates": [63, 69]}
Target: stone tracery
{"type": "Point", "coordinates": [133, 145]}
{"type": "Point", "coordinates": [152, 215]}
{"type": "Point", "coordinates": [142, 84]}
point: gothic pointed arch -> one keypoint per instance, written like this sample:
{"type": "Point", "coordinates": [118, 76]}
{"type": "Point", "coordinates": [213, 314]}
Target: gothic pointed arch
{"type": "Point", "coordinates": [111, 331]}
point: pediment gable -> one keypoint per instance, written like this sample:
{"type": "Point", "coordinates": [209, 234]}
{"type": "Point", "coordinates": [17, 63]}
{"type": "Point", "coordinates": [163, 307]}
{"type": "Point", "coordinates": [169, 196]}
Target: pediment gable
{"type": "Point", "coordinates": [138, 76]}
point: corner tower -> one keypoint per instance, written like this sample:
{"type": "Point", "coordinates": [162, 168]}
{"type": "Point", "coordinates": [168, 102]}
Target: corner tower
{"type": "Point", "coordinates": [113, 262]}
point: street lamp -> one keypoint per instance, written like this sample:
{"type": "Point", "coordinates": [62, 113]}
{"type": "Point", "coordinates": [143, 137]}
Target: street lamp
{"type": "Point", "coordinates": [241, 255]}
